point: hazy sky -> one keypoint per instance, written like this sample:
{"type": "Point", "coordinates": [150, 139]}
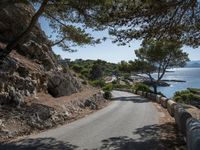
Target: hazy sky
{"type": "Point", "coordinates": [109, 51]}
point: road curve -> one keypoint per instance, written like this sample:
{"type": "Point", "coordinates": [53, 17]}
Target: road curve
{"type": "Point", "coordinates": [125, 124]}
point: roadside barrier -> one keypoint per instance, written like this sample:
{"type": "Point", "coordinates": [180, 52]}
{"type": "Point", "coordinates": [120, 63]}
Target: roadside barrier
{"type": "Point", "coordinates": [144, 94]}
{"type": "Point", "coordinates": [187, 125]}
{"type": "Point", "coordinates": [139, 93]}
{"type": "Point", "coordinates": [158, 97]}
{"type": "Point", "coordinates": [181, 116]}
{"type": "Point", "coordinates": [170, 107]}
{"type": "Point", "coordinates": [149, 95]}
{"type": "Point", "coordinates": [193, 134]}
{"type": "Point", "coordinates": [163, 102]}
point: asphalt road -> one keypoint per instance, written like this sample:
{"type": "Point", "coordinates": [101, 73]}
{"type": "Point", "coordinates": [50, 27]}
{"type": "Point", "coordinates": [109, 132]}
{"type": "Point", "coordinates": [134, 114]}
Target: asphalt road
{"type": "Point", "coordinates": [128, 123]}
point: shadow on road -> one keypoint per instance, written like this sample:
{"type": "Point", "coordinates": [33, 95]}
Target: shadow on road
{"type": "Point", "coordinates": [152, 137]}
{"type": "Point", "coordinates": [134, 99]}
{"type": "Point", "coordinates": [38, 144]}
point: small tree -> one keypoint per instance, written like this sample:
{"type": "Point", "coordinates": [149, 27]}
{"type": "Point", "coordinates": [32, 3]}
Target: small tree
{"type": "Point", "coordinates": [96, 72]}
{"type": "Point", "coordinates": [157, 57]}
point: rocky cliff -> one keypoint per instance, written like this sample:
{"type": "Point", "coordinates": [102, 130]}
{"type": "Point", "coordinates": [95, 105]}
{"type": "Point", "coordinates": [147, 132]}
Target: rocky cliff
{"type": "Point", "coordinates": [32, 67]}
{"type": "Point", "coordinates": [36, 93]}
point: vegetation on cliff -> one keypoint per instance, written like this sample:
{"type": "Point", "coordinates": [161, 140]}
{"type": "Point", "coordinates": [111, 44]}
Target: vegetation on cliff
{"type": "Point", "coordinates": [191, 96]}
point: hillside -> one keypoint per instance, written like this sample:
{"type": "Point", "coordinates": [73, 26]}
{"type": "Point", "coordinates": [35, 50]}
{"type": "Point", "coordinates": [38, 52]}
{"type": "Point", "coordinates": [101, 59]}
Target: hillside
{"type": "Point", "coordinates": [193, 64]}
{"type": "Point", "coordinates": [36, 93]}
{"type": "Point", "coordinates": [84, 67]}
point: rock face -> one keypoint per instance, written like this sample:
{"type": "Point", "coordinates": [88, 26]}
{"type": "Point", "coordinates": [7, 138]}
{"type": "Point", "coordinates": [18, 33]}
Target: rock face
{"type": "Point", "coordinates": [32, 67]}
{"type": "Point", "coordinates": [14, 19]}
{"type": "Point", "coordinates": [62, 84]}
{"type": "Point", "coordinates": [38, 117]}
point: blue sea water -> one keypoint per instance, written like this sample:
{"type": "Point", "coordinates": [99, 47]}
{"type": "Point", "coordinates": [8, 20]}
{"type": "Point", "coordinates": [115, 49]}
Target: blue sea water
{"type": "Point", "coordinates": [190, 75]}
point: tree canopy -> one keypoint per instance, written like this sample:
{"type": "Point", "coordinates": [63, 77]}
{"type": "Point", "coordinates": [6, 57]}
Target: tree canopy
{"type": "Point", "coordinates": [67, 18]}
{"type": "Point", "coordinates": [156, 57]}
{"type": "Point", "coordinates": [126, 19]}
{"type": "Point", "coordinates": [147, 19]}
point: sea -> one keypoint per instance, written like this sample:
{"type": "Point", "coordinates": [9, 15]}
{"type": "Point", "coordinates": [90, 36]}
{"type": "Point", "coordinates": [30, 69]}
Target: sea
{"type": "Point", "coordinates": [190, 75]}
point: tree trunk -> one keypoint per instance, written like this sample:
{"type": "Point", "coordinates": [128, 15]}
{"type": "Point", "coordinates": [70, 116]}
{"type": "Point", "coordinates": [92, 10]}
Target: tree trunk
{"type": "Point", "coordinates": [21, 38]}
{"type": "Point", "coordinates": [155, 88]}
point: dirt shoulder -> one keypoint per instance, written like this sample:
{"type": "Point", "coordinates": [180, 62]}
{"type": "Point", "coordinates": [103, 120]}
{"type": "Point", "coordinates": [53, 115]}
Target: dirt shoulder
{"type": "Point", "coordinates": [170, 137]}
{"type": "Point", "coordinates": [43, 112]}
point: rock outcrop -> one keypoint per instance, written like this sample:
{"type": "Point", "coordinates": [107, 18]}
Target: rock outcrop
{"type": "Point", "coordinates": [32, 67]}
{"type": "Point", "coordinates": [62, 84]}
{"type": "Point", "coordinates": [36, 117]}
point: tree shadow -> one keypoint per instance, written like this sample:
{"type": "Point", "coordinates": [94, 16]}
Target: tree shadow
{"type": "Point", "coordinates": [134, 99]}
{"type": "Point", "coordinates": [38, 144]}
{"type": "Point", "coordinates": [151, 137]}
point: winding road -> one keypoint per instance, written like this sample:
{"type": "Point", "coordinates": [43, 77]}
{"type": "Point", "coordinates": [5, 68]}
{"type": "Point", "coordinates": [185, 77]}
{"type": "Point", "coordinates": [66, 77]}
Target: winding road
{"type": "Point", "coordinates": [130, 122]}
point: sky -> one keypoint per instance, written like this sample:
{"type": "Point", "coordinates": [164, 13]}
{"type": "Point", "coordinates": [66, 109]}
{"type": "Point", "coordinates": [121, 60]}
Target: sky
{"type": "Point", "coordinates": [107, 50]}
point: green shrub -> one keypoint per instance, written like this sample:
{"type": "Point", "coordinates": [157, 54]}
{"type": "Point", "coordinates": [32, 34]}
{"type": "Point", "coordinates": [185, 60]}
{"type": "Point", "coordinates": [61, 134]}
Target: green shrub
{"type": "Point", "coordinates": [194, 90]}
{"type": "Point", "coordinates": [85, 72]}
{"type": "Point", "coordinates": [77, 68]}
{"type": "Point", "coordinates": [126, 75]}
{"type": "Point", "coordinates": [114, 82]}
{"type": "Point", "coordinates": [98, 83]}
{"type": "Point", "coordinates": [178, 99]}
{"type": "Point", "coordinates": [196, 97]}
{"type": "Point", "coordinates": [186, 96]}
{"type": "Point", "coordinates": [179, 93]}
{"type": "Point", "coordinates": [107, 95]}
{"type": "Point", "coordinates": [142, 87]}
{"type": "Point", "coordinates": [121, 86]}
{"type": "Point", "coordinates": [108, 87]}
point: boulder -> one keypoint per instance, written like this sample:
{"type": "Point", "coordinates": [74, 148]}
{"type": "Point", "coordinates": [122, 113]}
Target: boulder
{"type": "Point", "coordinates": [4, 98]}
{"type": "Point", "coordinates": [62, 85]}
{"type": "Point", "coordinates": [39, 116]}
{"type": "Point", "coordinates": [15, 97]}
{"type": "Point", "coordinates": [90, 103]}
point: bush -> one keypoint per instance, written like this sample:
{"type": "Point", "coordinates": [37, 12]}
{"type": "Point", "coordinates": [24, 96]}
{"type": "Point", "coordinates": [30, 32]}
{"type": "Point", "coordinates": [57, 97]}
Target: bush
{"type": "Point", "coordinates": [114, 82]}
{"type": "Point", "coordinates": [142, 87]}
{"type": "Point", "coordinates": [84, 72]}
{"type": "Point", "coordinates": [98, 83]}
{"type": "Point", "coordinates": [120, 86]}
{"type": "Point", "coordinates": [194, 90]}
{"type": "Point", "coordinates": [107, 95]}
{"type": "Point", "coordinates": [108, 87]}
{"type": "Point", "coordinates": [77, 68]}
{"type": "Point", "coordinates": [186, 96]}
